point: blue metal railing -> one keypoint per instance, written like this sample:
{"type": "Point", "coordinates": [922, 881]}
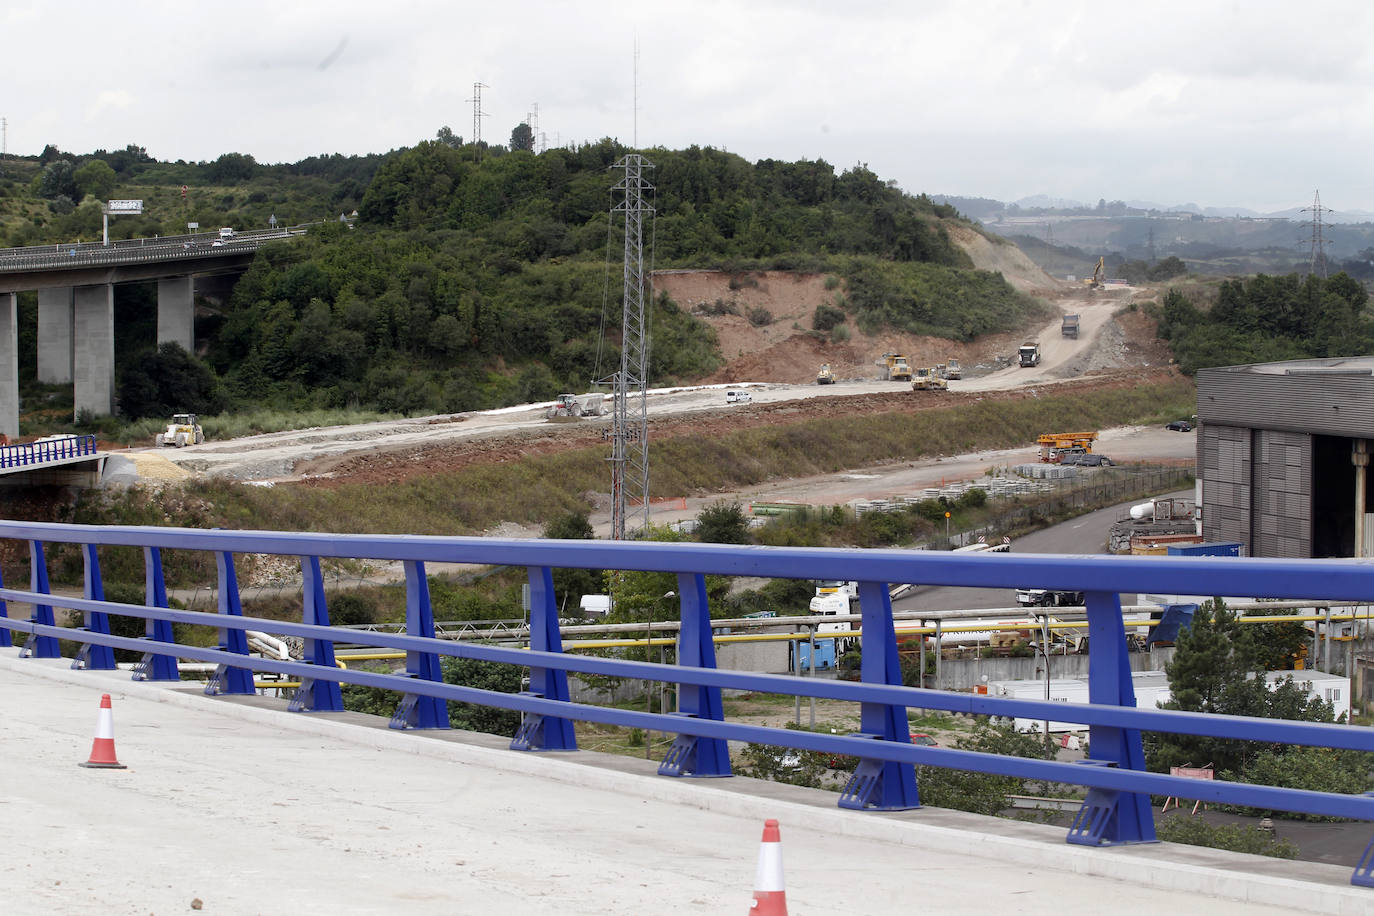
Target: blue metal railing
{"type": "Point", "coordinates": [46, 450]}
{"type": "Point", "coordinates": [1115, 811]}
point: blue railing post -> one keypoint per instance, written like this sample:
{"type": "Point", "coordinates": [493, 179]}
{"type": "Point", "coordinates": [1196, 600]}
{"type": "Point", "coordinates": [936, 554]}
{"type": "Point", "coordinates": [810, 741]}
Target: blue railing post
{"type": "Point", "coordinates": [93, 656]}
{"type": "Point", "coordinates": [40, 646]}
{"type": "Point", "coordinates": [5, 641]}
{"type": "Point", "coordinates": [539, 732]}
{"type": "Point", "coordinates": [692, 755]}
{"type": "Point", "coordinates": [417, 710]}
{"type": "Point", "coordinates": [316, 694]}
{"type": "Point", "coordinates": [883, 784]}
{"type": "Point", "coordinates": [1109, 817]}
{"type": "Point", "coordinates": [154, 666]}
{"type": "Point", "coordinates": [230, 679]}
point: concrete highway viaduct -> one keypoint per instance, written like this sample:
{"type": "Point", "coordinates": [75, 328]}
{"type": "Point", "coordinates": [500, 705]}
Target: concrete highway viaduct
{"type": "Point", "coordinates": [75, 285]}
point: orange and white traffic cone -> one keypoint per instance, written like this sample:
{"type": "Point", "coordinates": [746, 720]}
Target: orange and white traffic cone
{"type": "Point", "coordinates": [103, 749]}
{"type": "Point", "coordinates": [769, 897]}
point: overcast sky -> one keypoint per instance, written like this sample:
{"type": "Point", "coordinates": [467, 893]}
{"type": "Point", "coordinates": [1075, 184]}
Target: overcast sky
{"type": "Point", "coordinates": [1254, 104]}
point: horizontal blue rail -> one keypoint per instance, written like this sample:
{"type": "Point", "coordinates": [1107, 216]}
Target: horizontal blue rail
{"type": "Point", "coordinates": [1117, 807]}
{"type": "Point", "coordinates": [46, 451]}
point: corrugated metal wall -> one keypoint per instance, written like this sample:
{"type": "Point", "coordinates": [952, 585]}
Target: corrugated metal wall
{"type": "Point", "coordinates": [1224, 464]}
{"type": "Point", "coordinates": [1334, 405]}
{"type": "Point", "coordinates": [1281, 494]}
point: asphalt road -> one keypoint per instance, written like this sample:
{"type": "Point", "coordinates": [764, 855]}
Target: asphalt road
{"type": "Point", "coordinates": [1086, 534]}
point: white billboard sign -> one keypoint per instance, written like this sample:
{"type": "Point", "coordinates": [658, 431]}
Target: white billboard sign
{"type": "Point", "coordinates": [125, 206]}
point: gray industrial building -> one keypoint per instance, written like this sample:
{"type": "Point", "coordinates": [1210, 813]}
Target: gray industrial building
{"type": "Point", "coordinates": [1282, 454]}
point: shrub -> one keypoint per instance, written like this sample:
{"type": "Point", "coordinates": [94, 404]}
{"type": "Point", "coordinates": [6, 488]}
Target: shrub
{"type": "Point", "coordinates": [1236, 837]}
{"type": "Point", "coordinates": [827, 317]}
{"type": "Point", "coordinates": [760, 317]}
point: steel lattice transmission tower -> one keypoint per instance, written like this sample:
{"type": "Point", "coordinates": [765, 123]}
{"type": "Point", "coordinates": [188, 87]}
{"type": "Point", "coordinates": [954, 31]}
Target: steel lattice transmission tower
{"type": "Point", "coordinates": [1317, 264]}
{"type": "Point", "coordinates": [477, 115]}
{"type": "Point", "coordinates": [630, 416]}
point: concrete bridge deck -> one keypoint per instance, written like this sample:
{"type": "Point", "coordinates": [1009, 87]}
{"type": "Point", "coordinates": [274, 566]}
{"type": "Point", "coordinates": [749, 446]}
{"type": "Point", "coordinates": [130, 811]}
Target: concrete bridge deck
{"type": "Point", "coordinates": [252, 809]}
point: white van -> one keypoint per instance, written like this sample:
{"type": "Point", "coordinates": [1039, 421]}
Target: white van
{"type": "Point", "coordinates": [226, 233]}
{"type": "Point", "coordinates": [738, 397]}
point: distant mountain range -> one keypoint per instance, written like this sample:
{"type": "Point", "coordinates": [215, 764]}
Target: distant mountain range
{"type": "Point", "coordinates": [982, 207]}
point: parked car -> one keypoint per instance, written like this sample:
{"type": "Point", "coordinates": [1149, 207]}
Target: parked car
{"type": "Point", "coordinates": [1182, 426]}
{"type": "Point", "coordinates": [738, 397]}
{"type": "Point", "coordinates": [1091, 461]}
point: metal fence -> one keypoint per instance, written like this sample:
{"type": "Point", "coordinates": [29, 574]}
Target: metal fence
{"type": "Point", "coordinates": [46, 450]}
{"type": "Point", "coordinates": [1116, 809]}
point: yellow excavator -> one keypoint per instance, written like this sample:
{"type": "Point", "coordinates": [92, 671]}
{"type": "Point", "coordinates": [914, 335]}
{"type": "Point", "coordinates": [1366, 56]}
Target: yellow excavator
{"type": "Point", "coordinates": [1096, 281]}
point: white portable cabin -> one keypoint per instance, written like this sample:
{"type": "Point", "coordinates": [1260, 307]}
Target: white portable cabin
{"type": "Point", "coordinates": [1152, 689]}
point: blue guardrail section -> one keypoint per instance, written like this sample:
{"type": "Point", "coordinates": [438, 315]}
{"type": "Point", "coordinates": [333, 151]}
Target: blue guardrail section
{"type": "Point", "coordinates": [46, 451]}
{"type": "Point", "coordinates": [1117, 806]}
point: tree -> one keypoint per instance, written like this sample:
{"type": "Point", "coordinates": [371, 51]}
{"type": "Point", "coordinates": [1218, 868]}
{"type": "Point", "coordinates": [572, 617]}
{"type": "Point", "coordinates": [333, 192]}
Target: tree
{"type": "Point", "coordinates": [1217, 669]}
{"type": "Point", "coordinates": [167, 382]}
{"type": "Point", "coordinates": [723, 522]}
{"type": "Point", "coordinates": [448, 138]}
{"type": "Point", "coordinates": [569, 585]}
{"type": "Point", "coordinates": [56, 181]}
{"type": "Point", "coordinates": [95, 178]}
{"type": "Point", "coordinates": [232, 167]}
{"type": "Point", "coordinates": [522, 138]}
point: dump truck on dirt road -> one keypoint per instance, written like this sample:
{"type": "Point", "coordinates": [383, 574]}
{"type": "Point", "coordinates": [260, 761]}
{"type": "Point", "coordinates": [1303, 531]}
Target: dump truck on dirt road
{"type": "Point", "coordinates": [952, 370]}
{"type": "Point", "coordinates": [1070, 326]}
{"type": "Point", "coordinates": [1029, 354]}
{"type": "Point", "coordinates": [896, 367]}
{"type": "Point", "coordinates": [825, 376]}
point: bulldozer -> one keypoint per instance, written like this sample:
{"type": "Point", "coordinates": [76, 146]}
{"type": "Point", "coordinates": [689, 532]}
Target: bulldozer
{"type": "Point", "coordinates": [896, 367]}
{"type": "Point", "coordinates": [928, 379]}
{"type": "Point", "coordinates": [825, 376]}
{"type": "Point", "coordinates": [182, 431]}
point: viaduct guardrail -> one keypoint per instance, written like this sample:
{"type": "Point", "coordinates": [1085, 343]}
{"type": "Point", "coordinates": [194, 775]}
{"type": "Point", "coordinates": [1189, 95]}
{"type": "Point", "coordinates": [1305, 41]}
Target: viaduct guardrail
{"type": "Point", "coordinates": [46, 451]}
{"type": "Point", "coordinates": [138, 251]}
{"type": "Point", "coordinates": [1116, 809]}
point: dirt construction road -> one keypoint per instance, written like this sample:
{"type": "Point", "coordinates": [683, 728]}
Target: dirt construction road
{"type": "Point", "coordinates": [392, 450]}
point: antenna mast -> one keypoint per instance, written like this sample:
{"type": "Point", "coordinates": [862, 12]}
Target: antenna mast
{"type": "Point", "coordinates": [1317, 262]}
{"type": "Point", "coordinates": [629, 430]}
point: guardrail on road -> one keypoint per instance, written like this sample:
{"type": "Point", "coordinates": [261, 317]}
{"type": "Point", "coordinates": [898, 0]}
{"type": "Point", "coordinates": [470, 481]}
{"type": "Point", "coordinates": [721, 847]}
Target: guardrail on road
{"type": "Point", "coordinates": [1117, 807]}
{"type": "Point", "coordinates": [44, 451]}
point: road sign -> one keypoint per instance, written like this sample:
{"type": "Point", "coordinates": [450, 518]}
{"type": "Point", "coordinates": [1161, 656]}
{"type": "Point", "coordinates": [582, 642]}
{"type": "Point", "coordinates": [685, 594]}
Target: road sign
{"type": "Point", "coordinates": [124, 207]}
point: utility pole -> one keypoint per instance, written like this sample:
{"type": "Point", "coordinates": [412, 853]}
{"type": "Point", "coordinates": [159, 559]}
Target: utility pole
{"type": "Point", "coordinates": [629, 430]}
{"type": "Point", "coordinates": [1317, 260]}
{"type": "Point", "coordinates": [532, 119]}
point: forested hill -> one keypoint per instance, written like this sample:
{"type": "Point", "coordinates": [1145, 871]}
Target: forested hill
{"type": "Point", "coordinates": [477, 277]}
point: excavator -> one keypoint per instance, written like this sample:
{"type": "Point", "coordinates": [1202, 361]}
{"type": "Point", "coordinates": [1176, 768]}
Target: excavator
{"type": "Point", "coordinates": [1096, 281]}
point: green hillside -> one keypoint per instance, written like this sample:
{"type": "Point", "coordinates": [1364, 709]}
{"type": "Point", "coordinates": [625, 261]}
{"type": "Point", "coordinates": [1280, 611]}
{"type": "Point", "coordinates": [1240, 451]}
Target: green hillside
{"type": "Point", "coordinates": [480, 277]}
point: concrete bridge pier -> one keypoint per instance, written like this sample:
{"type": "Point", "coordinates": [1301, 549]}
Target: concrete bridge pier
{"type": "Point", "coordinates": [93, 331]}
{"type": "Point", "coordinates": [55, 335]}
{"type": "Point", "coordinates": [176, 312]}
{"type": "Point", "coordinates": [9, 364]}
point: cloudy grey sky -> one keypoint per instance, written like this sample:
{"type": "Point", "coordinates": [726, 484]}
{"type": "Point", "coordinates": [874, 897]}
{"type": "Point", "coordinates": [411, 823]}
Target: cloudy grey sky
{"type": "Point", "coordinates": [1252, 104]}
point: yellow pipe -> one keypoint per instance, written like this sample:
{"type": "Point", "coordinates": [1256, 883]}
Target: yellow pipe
{"type": "Point", "coordinates": [858, 634]}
